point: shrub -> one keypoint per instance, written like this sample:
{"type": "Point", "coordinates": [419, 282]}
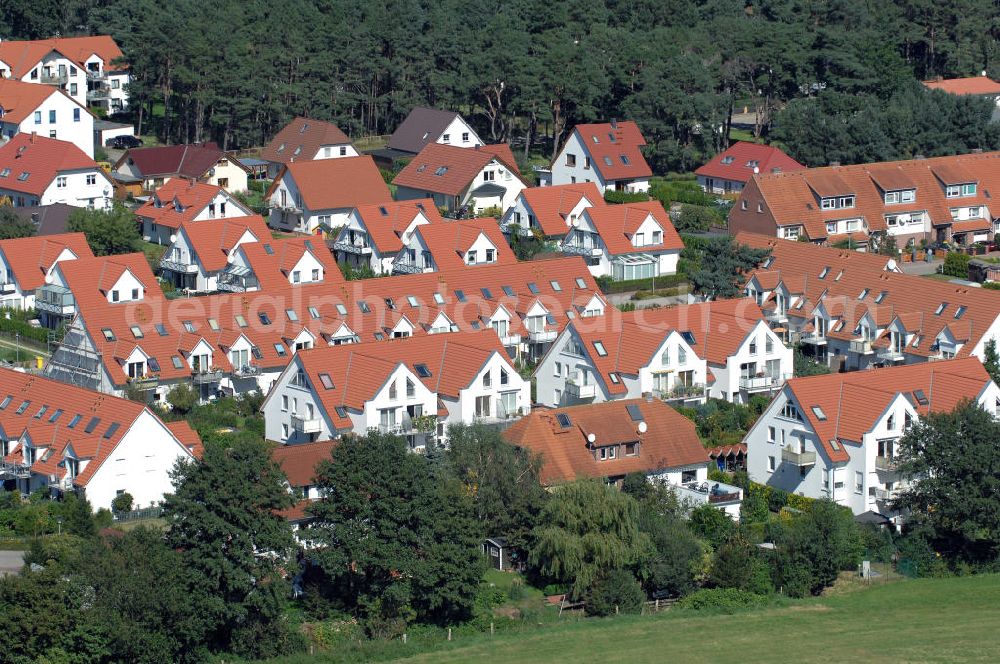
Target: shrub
{"type": "Point", "coordinates": [122, 502]}
{"type": "Point", "coordinates": [696, 218]}
{"type": "Point", "coordinates": [617, 590]}
{"type": "Point", "coordinates": [956, 264]}
{"type": "Point", "coordinates": [726, 600]}
{"type": "Point", "coordinates": [618, 197]}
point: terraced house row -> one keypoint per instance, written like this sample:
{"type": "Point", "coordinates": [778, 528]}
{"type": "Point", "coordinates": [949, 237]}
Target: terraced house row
{"type": "Point", "coordinates": [943, 199]}
{"type": "Point", "coordinates": [855, 310]}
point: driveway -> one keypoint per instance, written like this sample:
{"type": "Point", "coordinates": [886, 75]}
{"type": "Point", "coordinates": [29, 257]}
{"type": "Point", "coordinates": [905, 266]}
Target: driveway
{"type": "Point", "coordinates": [11, 562]}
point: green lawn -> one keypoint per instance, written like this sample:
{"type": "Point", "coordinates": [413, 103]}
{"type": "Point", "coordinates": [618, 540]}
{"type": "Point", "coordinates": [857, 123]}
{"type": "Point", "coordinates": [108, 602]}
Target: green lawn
{"type": "Point", "coordinates": [927, 620]}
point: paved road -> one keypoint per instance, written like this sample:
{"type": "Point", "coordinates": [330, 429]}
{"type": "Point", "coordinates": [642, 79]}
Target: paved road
{"type": "Point", "coordinates": [11, 562]}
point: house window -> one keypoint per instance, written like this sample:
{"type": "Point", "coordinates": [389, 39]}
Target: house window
{"type": "Point", "coordinates": [296, 276]}
{"type": "Point", "coordinates": [483, 406]}
{"type": "Point", "coordinates": [472, 257]}
{"type": "Point", "coordinates": [465, 137]}
{"type": "Point", "coordinates": [768, 345]}
{"type": "Point", "coordinates": [770, 464]}
{"type": "Point", "coordinates": [284, 403]}
{"type": "Point", "coordinates": [753, 346]}
{"type": "Point", "coordinates": [490, 255]}
{"type": "Point", "coordinates": [488, 379]}
{"type": "Point", "coordinates": [52, 117]}
{"type": "Point", "coordinates": [489, 176]}
{"type": "Point", "coordinates": [92, 179]}
{"type": "Point", "coordinates": [859, 482]}
{"type": "Point", "coordinates": [76, 111]}
{"type": "Point", "coordinates": [223, 182]}
{"type": "Point", "coordinates": [570, 159]}
{"type": "Point", "coordinates": [61, 182]}
{"type": "Point", "coordinates": [446, 138]}
{"type": "Point", "coordinates": [770, 434]}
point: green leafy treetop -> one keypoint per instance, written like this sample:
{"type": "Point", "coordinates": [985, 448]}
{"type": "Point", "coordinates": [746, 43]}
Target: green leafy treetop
{"type": "Point", "coordinates": [13, 225]}
{"type": "Point", "coordinates": [586, 529]}
{"type": "Point", "coordinates": [953, 461]}
{"type": "Point", "coordinates": [113, 231]}
{"type": "Point", "coordinates": [398, 541]}
{"type": "Point", "coordinates": [236, 548]}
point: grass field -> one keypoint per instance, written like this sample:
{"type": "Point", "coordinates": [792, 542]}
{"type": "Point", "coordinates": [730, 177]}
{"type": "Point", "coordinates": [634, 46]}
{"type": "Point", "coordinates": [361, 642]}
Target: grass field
{"type": "Point", "coordinates": [927, 620]}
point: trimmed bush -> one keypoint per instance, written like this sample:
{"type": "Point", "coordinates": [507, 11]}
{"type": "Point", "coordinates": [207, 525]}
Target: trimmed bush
{"type": "Point", "coordinates": [618, 591]}
{"type": "Point", "coordinates": [618, 197]}
{"type": "Point", "coordinates": [956, 264]}
{"type": "Point", "coordinates": [726, 600]}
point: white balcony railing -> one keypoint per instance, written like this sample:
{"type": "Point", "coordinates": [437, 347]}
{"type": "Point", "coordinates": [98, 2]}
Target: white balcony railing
{"type": "Point", "coordinates": [890, 355]}
{"type": "Point", "coordinates": [542, 336]}
{"type": "Point", "coordinates": [813, 338]}
{"type": "Point", "coordinates": [713, 493]}
{"type": "Point", "coordinates": [798, 458]}
{"type": "Point", "coordinates": [305, 425]}
{"type": "Point", "coordinates": [581, 391]}
{"type": "Point", "coordinates": [762, 383]}
{"type": "Point", "coordinates": [510, 340]}
{"type": "Point", "coordinates": [352, 247]}
{"type": "Point", "coordinates": [178, 266]}
{"type": "Point", "coordinates": [886, 464]}
{"type": "Point", "coordinates": [861, 347]}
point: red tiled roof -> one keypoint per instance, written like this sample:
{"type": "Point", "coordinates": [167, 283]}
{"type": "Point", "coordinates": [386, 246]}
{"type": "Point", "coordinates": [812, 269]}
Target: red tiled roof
{"type": "Point", "coordinates": [98, 412]}
{"type": "Point", "coordinates": [301, 139]}
{"type": "Point", "coordinates": [726, 450]}
{"type": "Point", "coordinates": [926, 308]}
{"type": "Point", "coordinates": [552, 205]}
{"type": "Point", "coordinates": [972, 85]}
{"type": "Point", "coordinates": [213, 241]}
{"type": "Point", "coordinates": [466, 297]}
{"type": "Point", "coordinates": [22, 56]}
{"type": "Point", "coordinates": [189, 437]}
{"type": "Point", "coordinates": [386, 222]}
{"type": "Point", "coordinates": [738, 161]}
{"type": "Point", "coordinates": [611, 147]}
{"type": "Point", "coordinates": [448, 241]}
{"type": "Point", "coordinates": [852, 402]}
{"type": "Point", "coordinates": [793, 198]}
{"type": "Point", "coordinates": [189, 161]}
{"type": "Point", "coordinates": [670, 440]}
{"type": "Point", "coordinates": [299, 461]}
{"type": "Point", "coordinates": [19, 100]}
{"type": "Point", "coordinates": [193, 197]}
{"type": "Point", "coordinates": [31, 258]}
{"type": "Point", "coordinates": [453, 361]}
{"type": "Point", "coordinates": [346, 182]}
{"type": "Point", "coordinates": [42, 159]}
{"type": "Point", "coordinates": [449, 170]}
{"type": "Point", "coordinates": [717, 330]}
{"type": "Point", "coordinates": [617, 225]}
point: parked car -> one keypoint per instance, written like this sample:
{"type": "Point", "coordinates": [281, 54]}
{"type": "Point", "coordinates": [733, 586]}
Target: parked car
{"type": "Point", "coordinates": [123, 142]}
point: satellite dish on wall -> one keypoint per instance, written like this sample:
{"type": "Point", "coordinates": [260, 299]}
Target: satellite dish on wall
{"type": "Point", "coordinates": [642, 427]}
{"type": "Point", "coordinates": [756, 169]}
{"type": "Point", "coordinates": [591, 437]}
{"type": "Point", "coordinates": [48, 278]}
{"type": "Point", "coordinates": [173, 237]}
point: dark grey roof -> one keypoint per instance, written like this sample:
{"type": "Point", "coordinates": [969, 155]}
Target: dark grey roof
{"type": "Point", "coordinates": [421, 126]}
{"type": "Point", "coordinates": [873, 518]}
{"type": "Point", "coordinates": [489, 189]}
{"type": "Point", "coordinates": [48, 219]}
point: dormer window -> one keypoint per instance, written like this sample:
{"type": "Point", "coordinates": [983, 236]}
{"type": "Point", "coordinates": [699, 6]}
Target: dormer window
{"type": "Point", "coordinates": [902, 196]}
{"type": "Point", "coordinates": [957, 190]}
{"type": "Point", "coordinates": [728, 159]}
{"type": "Point", "coordinates": [837, 203]}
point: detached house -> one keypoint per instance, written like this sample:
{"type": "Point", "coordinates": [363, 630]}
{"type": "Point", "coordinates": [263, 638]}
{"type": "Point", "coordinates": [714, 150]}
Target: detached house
{"type": "Point", "coordinates": [610, 440]}
{"type": "Point", "coordinates": [375, 234]}
{"type": "Point", "coordinates": [974, 86]}
{"type": "Point", "coordinates": [180, 202]}
{"type": "Point", "coordinates": [413, 387]}
{"type": "Point", "coordinates": [27, 263]}
{"type": "Point", "coordinates": [424, 126]}
{"type": "Point", "coordinates": [722, 349]}
{"type": "Point", "coordinates": [549, 212]}
{"type": "Point", "coordinates": [625, 242]}
{"type": "Point", "coordinates": [201, 252]}
{"type": "Point", "coordinates": [944, 199]}
{"type": "Point", "coordinates": [836, 436]}
{"type": "Point", "coordinates": [318, 196]}
{"type": "Point", "coordinates": [88, 69]}
{"type": "Point", "coordinates": [305, 139]}
{"type": "Point", "coordinates": [42, 171]}
{"type": "Point", "coordinates": [299, 463]}
{"type": "Point", "coordinates": [462, 181]}
{"type": "Point", "coordinates": [730, 170]}
{"type": "Point", "coordinates": [43, 110]}
{"type": "Point", "coordinates": [71, 440]}
{"type": "Point", "coordinates": [453, 244]}
{"type": "Point", "coordinates": [609, 155]}
{"type": "Point", "coordinates": [201, 162]}
{"type": "Point", "coordinates": [853, 311]}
